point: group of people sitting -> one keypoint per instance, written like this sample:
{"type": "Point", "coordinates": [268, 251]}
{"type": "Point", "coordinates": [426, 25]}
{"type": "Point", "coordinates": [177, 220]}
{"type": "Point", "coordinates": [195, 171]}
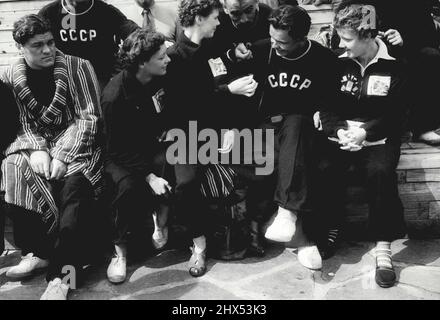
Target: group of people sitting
{"type": "Point", "coordinates": [73, 129]}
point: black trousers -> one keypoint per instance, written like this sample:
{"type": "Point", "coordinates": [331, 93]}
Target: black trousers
{"type": "Point", "coordinates": [425, 110]}
{"type": "Point", "coordinates": [294, 162]}
{"type": "Point", "coordinates": [133, 198]}
{"type": "Point", "coordinates": [69, 245]}
{"type": "Point", "coordinates": [378, 166]}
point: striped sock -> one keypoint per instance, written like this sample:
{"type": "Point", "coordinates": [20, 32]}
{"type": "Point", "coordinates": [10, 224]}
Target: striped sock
{"type": "Point", "coordinates": [383, 254]}
{"type": "Point", "coordinates": [332, 235]}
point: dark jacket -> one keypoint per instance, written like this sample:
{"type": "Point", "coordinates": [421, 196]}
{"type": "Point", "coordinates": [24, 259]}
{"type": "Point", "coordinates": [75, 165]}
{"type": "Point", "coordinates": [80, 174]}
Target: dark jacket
{"type": "Point", "coordinates": [226, 37]}
{"type": "Point", "coordinates": [295, 86]}
{"type": "Point", "coordinates": [9, 120]}
{"type": "Point", "coordinates": [90, 36]}
{"type": "Point", "coordinates": [191, 89]}
{"type": "Point", "coordinates": [132, 123]}
{"type": "Point", "coordinates": [377, 98]}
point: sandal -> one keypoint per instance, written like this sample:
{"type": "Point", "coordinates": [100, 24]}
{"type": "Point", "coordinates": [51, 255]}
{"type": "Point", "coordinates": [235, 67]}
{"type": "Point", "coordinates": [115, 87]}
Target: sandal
{"type": "Point", "coordinates": [197, 263]}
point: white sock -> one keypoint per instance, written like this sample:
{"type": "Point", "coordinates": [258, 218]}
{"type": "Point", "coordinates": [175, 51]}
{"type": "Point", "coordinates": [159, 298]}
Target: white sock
{"type": "Point", "coordinates": [383, 254]}
{"type": "Point", "coordinates": [199, 244]}
{"type": "Point", "coordinates": [121, 250]}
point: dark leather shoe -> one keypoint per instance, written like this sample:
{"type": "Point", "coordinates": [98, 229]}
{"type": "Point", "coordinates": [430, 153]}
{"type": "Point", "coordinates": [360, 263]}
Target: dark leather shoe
{"type": "Point", "coordinates": [385, 277]}
{"type": "Point", "coordinates": [197, 263]}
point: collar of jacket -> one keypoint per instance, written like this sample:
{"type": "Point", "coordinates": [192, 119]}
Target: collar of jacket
{"type": "Point", "coordinates": [382, 53]}
{"type": "Point", "coordinates": [186, 47]}
{"type": "Point", "coordinates": [132, 88]}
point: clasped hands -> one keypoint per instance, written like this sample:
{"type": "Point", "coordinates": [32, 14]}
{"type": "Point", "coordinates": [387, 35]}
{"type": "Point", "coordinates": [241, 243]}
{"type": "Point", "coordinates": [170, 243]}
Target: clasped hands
{"type": "Point", "coordinates": [352, 138]}
{"type": "Point", "coordinates": [46, 167]}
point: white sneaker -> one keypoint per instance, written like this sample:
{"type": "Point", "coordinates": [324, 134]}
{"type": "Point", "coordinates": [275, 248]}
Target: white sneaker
{"type": "Point", "coordinates": [283, 227]}
{"type": "Point", "coordinates": [117, 269]}
{"type": "Point", "coordinates": [309, 257]}
{"type": "Point", "coordinates": [28, 265]}
{"type": "Point", "coordinates": [160, 237]}
{"type": "Point", "coordinates": [56, 290]}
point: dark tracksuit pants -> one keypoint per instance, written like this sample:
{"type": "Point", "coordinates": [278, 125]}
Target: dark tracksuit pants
{"type": "Point", "coordinates": [67, 246]}
{"type": "Point", "coordinates": [425, 110]}
{"type": "Point", "coordinates": [378, 166]}
{"type": "Point", "coordinates": [294, 161]}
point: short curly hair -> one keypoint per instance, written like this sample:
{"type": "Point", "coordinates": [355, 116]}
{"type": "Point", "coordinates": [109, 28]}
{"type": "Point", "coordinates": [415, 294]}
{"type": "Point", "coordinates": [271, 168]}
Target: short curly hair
{"type": "Point", "coordinates": [294, 19]}
{"type": "Point", "coordinates": [354, 16]}
{"type": "Point", "coordinates": [189, 9]}
{"type": "Point", "coordinates": [139, 47]}
{"type": "Point", "coordinates": [29, 26]}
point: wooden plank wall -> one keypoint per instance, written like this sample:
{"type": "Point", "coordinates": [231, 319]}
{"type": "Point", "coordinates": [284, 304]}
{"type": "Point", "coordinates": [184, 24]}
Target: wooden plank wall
{"type": "Point", "coordinates": [11, 10]}
{"type": "Point", "coordinates": [419, 188]}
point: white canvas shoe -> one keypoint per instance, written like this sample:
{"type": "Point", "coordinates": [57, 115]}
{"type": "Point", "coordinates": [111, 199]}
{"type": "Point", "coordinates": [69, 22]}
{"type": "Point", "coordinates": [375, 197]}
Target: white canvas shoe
{"type": "Point", "coordinates": [56, 290]}
{"type": "Point", "coordinates": [309, 257]}
{"type": "Point", "coordinates": [283, 227]}
{"type": "Point", "coordinates": [28, 265]}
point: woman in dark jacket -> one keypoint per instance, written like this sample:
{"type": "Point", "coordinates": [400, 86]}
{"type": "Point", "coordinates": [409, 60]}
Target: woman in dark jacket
{"type": "Point", "coordinates": [132, 115]}
{"type": "Point", "coordinates": [192, 94]}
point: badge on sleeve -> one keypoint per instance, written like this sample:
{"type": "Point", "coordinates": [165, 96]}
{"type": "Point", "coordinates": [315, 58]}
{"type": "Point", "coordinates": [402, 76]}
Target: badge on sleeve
{"type": "Point", "coordinates": [379, 85]}
{"type": "Point", "coordinates": [217, 66]}
{"type": "Point", "coordinates": [158, 100]}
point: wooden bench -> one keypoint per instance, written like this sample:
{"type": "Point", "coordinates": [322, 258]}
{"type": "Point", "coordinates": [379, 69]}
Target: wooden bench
{"type": "Point", "coordinates": [419, 188]}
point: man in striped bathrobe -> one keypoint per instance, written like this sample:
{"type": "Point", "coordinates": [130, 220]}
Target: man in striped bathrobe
{"type": "Point", "coordinates": [52, 171]}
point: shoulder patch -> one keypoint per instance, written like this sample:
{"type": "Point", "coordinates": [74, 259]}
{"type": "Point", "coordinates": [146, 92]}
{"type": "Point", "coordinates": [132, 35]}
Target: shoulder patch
{"type": "Point", "coordinates": [217, 66]}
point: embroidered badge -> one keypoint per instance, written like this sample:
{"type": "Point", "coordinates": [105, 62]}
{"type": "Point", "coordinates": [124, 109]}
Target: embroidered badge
{"type": "Point", "coordinates": [158, 100]}
{"type": "Point", "coordinates": [350, 84]}
{"type": "Point", "coordinates": [217, 66]}
{"type": "Point", "coordinates": [378, 85]}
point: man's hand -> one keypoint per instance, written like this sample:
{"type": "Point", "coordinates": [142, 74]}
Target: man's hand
{"type": "Point", "coordinates": [357, 135]}
{"type": "Point", "coordinates": [40, 163]}
{"type": "Point", "coordinates": [228, 142]}
{"type": "Point", "coordinates": [317, 121]}
{"type": "Point", "coordinates": [58, 169]}
{"type": "Point", "coordinates": [242, 52]}
{"type": "Point", "coordinates": [351, 140]}
{"type": "Point", "coordinates": [392, 36]}
{"type": "Point", "coordinates": [159, 185]}
{"type": "Point", "coordinates": [244, 86]}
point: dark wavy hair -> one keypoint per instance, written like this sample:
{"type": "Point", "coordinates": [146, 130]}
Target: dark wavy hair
{"type": "Point", "coordinates": [189, 9]}
{"type": "Point", "coordinates": [139, 47]}
{"type": "Point", "coordinates": [294, 19]}
{"type": "Point", "coordinates": [351, 15]}
{"type": "Point", "coordinates": [29, 26]}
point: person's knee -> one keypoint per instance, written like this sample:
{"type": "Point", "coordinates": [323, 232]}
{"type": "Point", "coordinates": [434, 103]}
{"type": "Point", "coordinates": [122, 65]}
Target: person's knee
{"type": "Point", "coordinates": [377, 170]}
{"type": "Point", "coordinates": [430, 53]}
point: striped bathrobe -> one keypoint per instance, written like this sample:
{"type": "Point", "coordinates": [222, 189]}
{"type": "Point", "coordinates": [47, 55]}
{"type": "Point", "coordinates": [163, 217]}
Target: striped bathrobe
{"type": "Point", "coordinates": [67, 129]}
